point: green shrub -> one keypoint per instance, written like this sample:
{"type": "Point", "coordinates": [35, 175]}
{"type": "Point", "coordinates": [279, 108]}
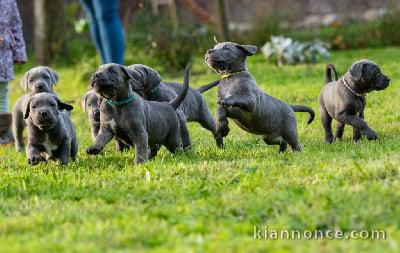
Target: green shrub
{"type": "Point", "coordinates": [174, 47]}
{"type": "Point", "coordinates": [388, 27]}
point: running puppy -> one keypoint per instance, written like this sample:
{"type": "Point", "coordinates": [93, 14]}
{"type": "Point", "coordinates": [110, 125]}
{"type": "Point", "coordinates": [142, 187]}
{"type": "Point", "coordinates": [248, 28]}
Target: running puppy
{"type": "Point", "coordinates": [148, 85]}
{"type": "Point", "coordinates": [131, 119]}
{"type": "Point", "coordinates": [344, 100]}
{"type": "Point", "coordinates": [37, 80]}
{"type": "Point", "coordinates": [51, 134]}
{"type": "Point", "coordinates": [240, 98]}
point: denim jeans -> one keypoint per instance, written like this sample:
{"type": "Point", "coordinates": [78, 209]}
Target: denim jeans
{"type": "Point", "coordinates": [4, 96]}
{"type": "Point", "coordinates": [105, 29]}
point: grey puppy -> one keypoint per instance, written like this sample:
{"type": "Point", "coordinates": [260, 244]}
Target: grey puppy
{"type": "Point", "coordinates": [91, 105]}
{"type": "Point", "coordinates": [194, 108]}
{"type": "Point", "coordinates": [36, 80]}
{"type": "Point", "coordinates": [251, 109]}
{"type": "Point", "coordinates": [51, 134]}
{"type": "Point", "coordinates": [344, 100]}
{"type": "Point", "coordinates": [130, 118]}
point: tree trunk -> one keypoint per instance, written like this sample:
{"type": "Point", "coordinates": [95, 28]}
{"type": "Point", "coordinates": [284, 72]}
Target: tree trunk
{"type": "Point", "coordinates": [49, 29]}
{"type": "Point", "coordinates": [223, 19]}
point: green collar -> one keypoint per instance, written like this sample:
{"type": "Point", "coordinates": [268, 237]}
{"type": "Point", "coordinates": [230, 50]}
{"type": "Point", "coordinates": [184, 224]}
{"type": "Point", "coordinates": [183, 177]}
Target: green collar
{"type": "Point", "coordinates": [120, 102]}
{"type": "Point", "coordinates": [225, 76]}
{"type": "Point", "coordinates": [154, 93]}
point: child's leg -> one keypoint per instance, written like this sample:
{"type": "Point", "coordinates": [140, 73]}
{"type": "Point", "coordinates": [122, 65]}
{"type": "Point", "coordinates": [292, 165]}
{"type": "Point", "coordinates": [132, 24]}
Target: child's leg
{"type": "Point", "coordinates": [4, 96]}
{"type": "Point", "coordinates": [6, 136]}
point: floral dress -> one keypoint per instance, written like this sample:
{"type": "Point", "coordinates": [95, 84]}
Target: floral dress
{"type": "Point", "coordinates": [12, 45]}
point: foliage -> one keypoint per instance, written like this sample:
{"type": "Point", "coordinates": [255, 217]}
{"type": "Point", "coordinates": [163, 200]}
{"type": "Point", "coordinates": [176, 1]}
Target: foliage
{"type": "Point", "coordinates": [285, 50]}
{"type": "Point", "coordinates": [262, 29]}
{"type": "Point", "coordinates": [207, 199]}
{"type": "Point", "coordinates": [388, 27]}
{"type": "Point", "coordinates": [378, 33]}
{"type": "Point", "coordinates": [174, 47]}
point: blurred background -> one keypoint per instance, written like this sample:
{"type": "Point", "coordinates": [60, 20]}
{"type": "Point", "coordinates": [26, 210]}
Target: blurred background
{"type": "Point", "coordinates": [170, 32]}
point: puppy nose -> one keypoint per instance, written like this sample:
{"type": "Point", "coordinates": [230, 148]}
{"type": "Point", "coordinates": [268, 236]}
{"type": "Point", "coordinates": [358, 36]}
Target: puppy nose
{"type": "Point", "coordinates": [99, 75]}
{"type": "Point", "coordinates": [210, 51]}
{"type": "Point", "coordinates": [39, 86]}
{"type": "Point", "coordinates": [43, 113]}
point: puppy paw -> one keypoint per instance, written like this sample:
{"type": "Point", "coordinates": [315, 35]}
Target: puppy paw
{"type": "Point", "coordinates": [370, 134]}
{"type": "Point", "coordinates": [220, 141]}
{"type": "Point", "coordinates": [35, 159]}
{"type": "Point", "coordinates": [93, 150]}
{"type": "Point", "coordinates": [225, 103]}
{"type": "Point", "coordinates": [329, 138]}
{"type": "Point", "coordinates": [223, 130]}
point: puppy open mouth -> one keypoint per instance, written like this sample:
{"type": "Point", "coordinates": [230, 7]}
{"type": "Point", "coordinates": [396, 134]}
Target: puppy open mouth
{"type": "Point", "coordinates": [212, 61]}
{"type": "Point", "coordinates": [381, 87]}
{"type": "Point", "coordinates": [96, 116]}
{"type": "Point", "coordinates": [45, 125]}
{"type": "Point", "coordinates": [102, 84]}
{"type": "Point", "coordinates": [104, 89]}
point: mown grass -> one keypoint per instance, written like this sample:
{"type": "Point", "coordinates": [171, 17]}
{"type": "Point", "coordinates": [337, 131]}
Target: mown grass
{"type": "Point", "coordinates": [209, 199]}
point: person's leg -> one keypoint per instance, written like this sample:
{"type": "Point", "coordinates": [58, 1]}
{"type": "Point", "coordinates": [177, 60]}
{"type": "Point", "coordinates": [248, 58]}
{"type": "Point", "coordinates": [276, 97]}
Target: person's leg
{"type": "Point", "coordinates": [88, 8]}
{"type": "Point", "coordinates": [5, 117]}
{"type": "Point", "coordinates": [110, 27]}
{"type": "Point", "coordinates": [4, 96]}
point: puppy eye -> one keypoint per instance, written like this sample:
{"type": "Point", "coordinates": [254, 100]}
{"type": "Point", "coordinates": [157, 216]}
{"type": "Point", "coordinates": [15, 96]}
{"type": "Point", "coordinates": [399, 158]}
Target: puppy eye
{"type": "Point", "coordinates": [53, 105]}
{"type": "Point", "coordinates": [34, 107]}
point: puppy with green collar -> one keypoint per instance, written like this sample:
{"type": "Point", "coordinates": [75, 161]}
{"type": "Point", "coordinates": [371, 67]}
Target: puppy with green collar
{"type": "Point", "coordinates": [131, 119]}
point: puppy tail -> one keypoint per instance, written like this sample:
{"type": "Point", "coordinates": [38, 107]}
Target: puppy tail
{"type": "Point", "coordinates": [179, 99]}
{"type": "Point", "coordinates": [302, 108]}
{"type": "Point", "coordinates": [206, 87]}
{"type": "Point", "coordinates": [330, 69]}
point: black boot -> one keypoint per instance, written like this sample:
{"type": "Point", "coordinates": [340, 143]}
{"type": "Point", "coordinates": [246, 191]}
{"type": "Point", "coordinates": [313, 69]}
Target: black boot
{"type": "Point", "coordinates": [6, 136]}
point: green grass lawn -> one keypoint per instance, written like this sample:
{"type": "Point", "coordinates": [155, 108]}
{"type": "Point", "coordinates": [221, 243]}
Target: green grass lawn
{"type": "Point", "coordinates": [208, 199]}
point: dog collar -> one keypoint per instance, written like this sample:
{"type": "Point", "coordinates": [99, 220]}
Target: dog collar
{"type": "Point", "coordinates": [154, 93]}
{"type": "Point", "coordinates": [120, 102]}
{"type": "Point", "coordinates": [225, 76]}
{"type": "Point", "coordinates": [351, 90]}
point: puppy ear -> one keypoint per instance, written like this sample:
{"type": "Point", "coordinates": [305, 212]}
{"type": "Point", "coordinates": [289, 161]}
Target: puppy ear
{"type": "Point", "coordinates": [63, 106]}
{"type": "Point", "coordinates": [248, 49]}
{"type": "Point", "coordinates": [53, 75]}
{"type": "Point", "coordinates": [356, 70]}
{"type": "Point", "coordinates": [92, 80]}
{"type": "Point", "coordinates": [130, 73]}
{"type": "Point", "coordinates": [215, 40]}
{"type": "Point", "coordinates": [24, 81]}
{"type": "Point", "coordinates": [84, 101]}
{"type": "Point", "coordinates": [99, 100]}
{"type": "Point", "coordinates": [150, 77]}
{"type": "Point", "coordinates": [27, 109]}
